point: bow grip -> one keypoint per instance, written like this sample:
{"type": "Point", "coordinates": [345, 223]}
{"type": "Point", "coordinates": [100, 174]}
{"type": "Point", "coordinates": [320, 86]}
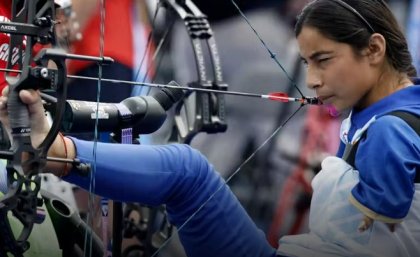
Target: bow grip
{"type": "Point", "coordinates": [18, 115]}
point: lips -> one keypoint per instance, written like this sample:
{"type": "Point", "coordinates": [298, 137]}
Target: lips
{"type": "Point", "coordinates": [324, 98]}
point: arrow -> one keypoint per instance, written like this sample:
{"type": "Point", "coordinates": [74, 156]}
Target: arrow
{"type": "Point", "coordinates": [273, 96]}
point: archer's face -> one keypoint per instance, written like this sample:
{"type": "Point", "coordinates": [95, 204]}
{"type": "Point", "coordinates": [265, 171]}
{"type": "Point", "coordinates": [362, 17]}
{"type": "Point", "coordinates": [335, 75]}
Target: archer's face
{"type": "Point", "coordinates": [339, 76]}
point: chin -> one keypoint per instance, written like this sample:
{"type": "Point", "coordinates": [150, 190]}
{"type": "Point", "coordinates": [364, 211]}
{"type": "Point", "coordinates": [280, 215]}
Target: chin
{"type": "Point", "coordinates": [332, 110]}
{"type": "Point", "coordinates": [336, 109]}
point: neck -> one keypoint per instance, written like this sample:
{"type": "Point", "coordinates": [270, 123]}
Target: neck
{"type": "Point", "coordinates": [392, 81]}
{"type": "Point", "coordinates": [387, 83]}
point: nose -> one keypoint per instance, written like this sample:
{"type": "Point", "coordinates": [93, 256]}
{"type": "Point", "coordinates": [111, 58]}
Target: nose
{"type": "Point", "coordinates": [313, 78]}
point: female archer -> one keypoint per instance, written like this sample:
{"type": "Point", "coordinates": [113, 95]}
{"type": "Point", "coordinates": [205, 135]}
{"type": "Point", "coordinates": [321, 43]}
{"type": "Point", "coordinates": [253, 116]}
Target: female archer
{"type": "Point", "coordinates": [366, 200]}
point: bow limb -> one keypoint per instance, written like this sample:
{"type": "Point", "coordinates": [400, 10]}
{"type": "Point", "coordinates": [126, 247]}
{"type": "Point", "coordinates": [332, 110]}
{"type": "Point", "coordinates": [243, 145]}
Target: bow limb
{"type": "Point", "coordinates": [196, 112]}
{"type": "Point", "coordinates": [210, 108]}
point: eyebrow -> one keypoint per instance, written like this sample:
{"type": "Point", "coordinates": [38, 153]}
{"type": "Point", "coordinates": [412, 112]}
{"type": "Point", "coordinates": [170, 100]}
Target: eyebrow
{"type": "Point", "coordinates": [316, 55]}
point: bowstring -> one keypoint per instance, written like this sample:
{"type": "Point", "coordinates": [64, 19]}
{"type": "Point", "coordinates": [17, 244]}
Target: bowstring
{"type": "Point", "coordinates": [159, 46]}
{"type": "Point", "coordinates": [148, 45]}
{"type": "Point", "coordinates": [157, 50]}
{"type": "Point", "coordinates": [273, 56]}
{"type": "Point", "coordinates": [92, 183]}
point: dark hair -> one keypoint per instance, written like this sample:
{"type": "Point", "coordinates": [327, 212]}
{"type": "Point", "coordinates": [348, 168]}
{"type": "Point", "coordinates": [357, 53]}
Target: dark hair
{"type": "Point", "coordinates": [353, 25]}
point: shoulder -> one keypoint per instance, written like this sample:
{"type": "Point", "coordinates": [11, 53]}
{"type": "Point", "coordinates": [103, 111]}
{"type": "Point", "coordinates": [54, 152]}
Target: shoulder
{"type": "Point", "coordinates": [388, 139]}
{"type": "Point", "coordinates": [387, 159]}
{"type": "Point", "coordinates": [391, 126]}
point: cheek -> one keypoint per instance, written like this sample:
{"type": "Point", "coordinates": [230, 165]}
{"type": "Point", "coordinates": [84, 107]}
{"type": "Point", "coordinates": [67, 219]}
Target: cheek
{"type": "Point", "coordinates": [346, 78]}
{"type": "Point", "coordinates": [347, 83]}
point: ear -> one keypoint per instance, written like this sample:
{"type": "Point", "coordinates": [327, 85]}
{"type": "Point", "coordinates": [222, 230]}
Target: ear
{"type": "Point", "coordinates": [376, 49]}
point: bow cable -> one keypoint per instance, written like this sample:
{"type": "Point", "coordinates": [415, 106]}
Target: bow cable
{"type": "Point", "coordinates": [272, 54]}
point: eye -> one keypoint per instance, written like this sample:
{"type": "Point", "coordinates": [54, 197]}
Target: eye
{"type": "Point", "coordinates": [323, 60]}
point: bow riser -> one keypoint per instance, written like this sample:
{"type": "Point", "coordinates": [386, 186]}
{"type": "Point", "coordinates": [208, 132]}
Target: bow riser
{"type": "Point", "coordinates": [21, 197]}
{"type": "Point", "coordinates": [203, 112]}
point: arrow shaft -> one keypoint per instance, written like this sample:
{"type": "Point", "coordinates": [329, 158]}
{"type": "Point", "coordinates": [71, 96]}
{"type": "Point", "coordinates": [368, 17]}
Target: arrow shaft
{"type": "Point", "coordinates": [285, 98]}
{"type": "Point", "coordinates": [203, 90]}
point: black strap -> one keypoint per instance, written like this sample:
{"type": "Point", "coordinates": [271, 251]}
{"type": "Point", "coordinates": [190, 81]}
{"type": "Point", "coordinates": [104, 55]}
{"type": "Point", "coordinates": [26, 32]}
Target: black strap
{"type": "Point", "coordinates": [411, 119]}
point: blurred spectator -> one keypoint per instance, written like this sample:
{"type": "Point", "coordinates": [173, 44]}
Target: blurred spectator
{"type": "Point", "coordinates": [413, 32]}
{"type": "Point", "coordinates": [125, 38]}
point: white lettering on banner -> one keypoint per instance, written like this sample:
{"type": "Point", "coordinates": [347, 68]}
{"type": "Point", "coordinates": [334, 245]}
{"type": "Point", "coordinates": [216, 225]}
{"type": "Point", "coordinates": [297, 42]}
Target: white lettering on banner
{"type": "Point", "coordinates": [15, 55]}
{"type": "Point", "coordinates": [4, 53]}
{"type": "Point", "coordinates": [4, 19]}
{"type": "Point", "coordinates": [4, 48]}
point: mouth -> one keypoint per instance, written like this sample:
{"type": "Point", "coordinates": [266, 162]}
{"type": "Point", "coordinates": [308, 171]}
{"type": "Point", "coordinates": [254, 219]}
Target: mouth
{"type": "Point", "coordinates": [325, 99]}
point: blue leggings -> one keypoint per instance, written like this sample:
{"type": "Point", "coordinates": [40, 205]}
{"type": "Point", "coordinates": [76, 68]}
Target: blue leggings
{"type": "Point", "coordinates": [181, 178]}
